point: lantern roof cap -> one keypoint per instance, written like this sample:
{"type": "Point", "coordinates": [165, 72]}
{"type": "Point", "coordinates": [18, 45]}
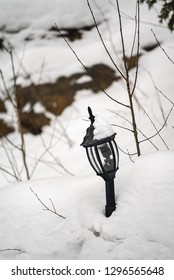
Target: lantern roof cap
{"type": "Point", "coordinates": [99, 132]}
{"type": "Point", "coordinates": [87, 142]}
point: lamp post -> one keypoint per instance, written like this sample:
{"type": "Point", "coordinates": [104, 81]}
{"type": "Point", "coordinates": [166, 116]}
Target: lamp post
{"type": "Point", "coordinates": [102, 153]}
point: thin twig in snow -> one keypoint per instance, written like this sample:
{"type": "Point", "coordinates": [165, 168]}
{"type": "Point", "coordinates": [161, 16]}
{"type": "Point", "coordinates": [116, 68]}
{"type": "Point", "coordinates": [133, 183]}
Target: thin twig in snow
{"type": "Point", "coordinates": [19, 250]}
{"type": "Point", "coordinates": [46, 207]}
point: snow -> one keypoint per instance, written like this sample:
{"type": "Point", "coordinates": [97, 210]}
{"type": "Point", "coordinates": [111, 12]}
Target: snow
{"type": "Point", "coordinates": [142, 227]}
{"type": "Point", "coordinates": [102, 128]}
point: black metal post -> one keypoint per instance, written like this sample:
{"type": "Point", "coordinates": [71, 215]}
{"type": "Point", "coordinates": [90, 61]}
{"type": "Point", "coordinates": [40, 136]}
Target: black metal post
{"type": "Point", "coordinates": [110, 197]}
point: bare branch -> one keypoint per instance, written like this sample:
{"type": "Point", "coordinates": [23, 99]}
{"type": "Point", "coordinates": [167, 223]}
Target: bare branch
{"type": "Point", "coordinates": [103, 43]}
{"type": "Point", "coordinates": [127, 153]}
{"type": "Point", "coordinates": [122, 38]}
{"type": "Point", "coordinates": [55, 159]}
{"type": "Point", "coordinates": [170, 111]}
{"type": "Point", "coordinates": [130, 156]}
{"type": "Point", "coordinates": [164, 95]}
{"type": "Point", "coordinates": [108, 28]}
{"type": "Point", "coordinates": [10, 158]}
{"type": "Point", "coordinates": [19, 250]}
{"type": "Point", "coordinates": [18, 112]}
{"type": "Point", "coordinates": [6, 89]}
{"type": "Point", "coordinates": [158, 132]}
{"type": "Point", "coordinates": [86, 69]}
{"type": "Point", "coordinates": [123, 127]}
{"type": "Point", "coordinates": [160, 105]}
{"type": "Point", "coordinates": [162, 47]}
{"type": "Point", "coordinates": [146, 138]}
{"type": "Point", "coordinates": [52, 205]}
{"type": "Point", "coordinates": [46, 207]}
{"type": "Point", "coordinates": [12, 144]}
{"type": "Point", "coordinates": [9, 173]}
{"type": "Point", "coordinates": [131, 105]}
{"type": "Point", "coordinates": [166, 119]}
{"type": "Point", "coordinates": [137, 29]}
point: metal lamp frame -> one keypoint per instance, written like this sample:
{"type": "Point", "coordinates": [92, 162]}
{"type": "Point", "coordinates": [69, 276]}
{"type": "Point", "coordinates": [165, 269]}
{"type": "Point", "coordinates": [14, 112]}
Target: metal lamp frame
{"type": "Point", "coordinates": [93, 147]}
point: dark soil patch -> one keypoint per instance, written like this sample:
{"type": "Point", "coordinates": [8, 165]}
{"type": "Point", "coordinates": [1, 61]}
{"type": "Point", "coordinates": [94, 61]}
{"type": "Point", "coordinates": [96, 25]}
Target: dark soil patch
{"type": "Point", "coordinates": [72, 33]}
{"type": "Point", "coordinates": [55, 97]}
{"type": "Point", "coordinates": [33, 122]}
{"type": "Point", "coordinates": [132, 61]}
{"type": "Point", "coordinates": [5, 129]}
{"type": "Point", "coordinates": [2, 106]}
{"type": "Point", "coordinates": [1, 44]}
{"type": "Point", "coordinates": [150, 47]}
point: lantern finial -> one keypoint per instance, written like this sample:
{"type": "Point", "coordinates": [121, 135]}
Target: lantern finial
{"type": "Point", "coordinates": [91, 116]}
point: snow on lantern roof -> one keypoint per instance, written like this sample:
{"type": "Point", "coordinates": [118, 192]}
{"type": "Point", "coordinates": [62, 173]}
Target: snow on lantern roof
{"type": "Point", "coordinates": [102, 128]}
{"type": "Point", "coordinates": [99, 131]}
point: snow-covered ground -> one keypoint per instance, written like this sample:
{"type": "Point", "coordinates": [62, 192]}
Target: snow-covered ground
{"type": "Point", "coordinates": [142, 227]}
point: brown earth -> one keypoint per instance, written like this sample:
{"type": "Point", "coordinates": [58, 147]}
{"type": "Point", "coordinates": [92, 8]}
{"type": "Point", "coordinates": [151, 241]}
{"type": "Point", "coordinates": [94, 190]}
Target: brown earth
{"type": "Point", "coordinates": [5, 129]}
{"type": "Point", "coordinates": [55, 97]}
{"type": "Point", "coordinates": [2, 106]}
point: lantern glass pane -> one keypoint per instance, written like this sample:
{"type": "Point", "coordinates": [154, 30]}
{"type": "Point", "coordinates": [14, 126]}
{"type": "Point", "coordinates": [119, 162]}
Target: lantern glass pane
{"type": "Point", "coordinates": [93, 159]}
{"type": "Point", "coordinates": [107, 157]}
{"type": "Point", "coordinates": [116, 154]}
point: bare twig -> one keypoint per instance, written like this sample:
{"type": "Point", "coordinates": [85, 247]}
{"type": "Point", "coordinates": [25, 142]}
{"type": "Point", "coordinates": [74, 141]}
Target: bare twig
{"type": "Point", "coordinates": [6, 90]}
{"type": "Point", "coordinates": [19, 250]}
{"type": "Point", "coordinates": [162, 47]}
{"type": "Point", "coordinates": [12, 144]}
{"type": "Point", "coordinates": [127, 153]}
{"type": "Point", "coordinates": [164, 95]}
{"type": "Point", "coordinates": [125, 15]}
{"type": "Point", "coordinates": [9, 173]}
{"type": "Point", "coordinates": [52, 205]}
{"type": "Point", "coordinates": [146, 138]}
{"type": "Point", "coordinates": [122, 40]}
{"type": "Point", "coordinates": [123, 127]}
{"type": "Point", "coordinates": [137, 30]}
{"type": "Point", "coordinates": [103, 43]}
{"type": "Point", "coordinates": [10, 158]}
{"type": "Point", "coordinates": [170, 111]}
{"type": "Point", "coordinates": [130, 94]}
{"type": "Point", "coordinates": [86, 69]}
{"type": "Point", "coordinates": [46, 207]}
{"type": "Point", "coordinates": [130, 156]}
{"type": "Point", "coordinates": [159, 100]}
{"type": "Point", "coordinates": [18, 113]}
{"type": "Point", "coordinates": [166, 119]}
{"type": "Point", "coordinates": [158, 132]}
{"type": "Point", "coordinates": [108, 29]}
{"type": "Point", "coordinates": [47, 150]}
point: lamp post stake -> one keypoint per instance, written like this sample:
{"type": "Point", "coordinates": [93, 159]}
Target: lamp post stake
{"type": "Point", "coordinates": [110, 197]}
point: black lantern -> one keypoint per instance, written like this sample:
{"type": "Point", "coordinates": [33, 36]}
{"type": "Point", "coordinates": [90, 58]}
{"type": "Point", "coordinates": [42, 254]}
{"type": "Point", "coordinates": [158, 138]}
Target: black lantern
{"type": "Point", "coordinates": [104, 158]}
